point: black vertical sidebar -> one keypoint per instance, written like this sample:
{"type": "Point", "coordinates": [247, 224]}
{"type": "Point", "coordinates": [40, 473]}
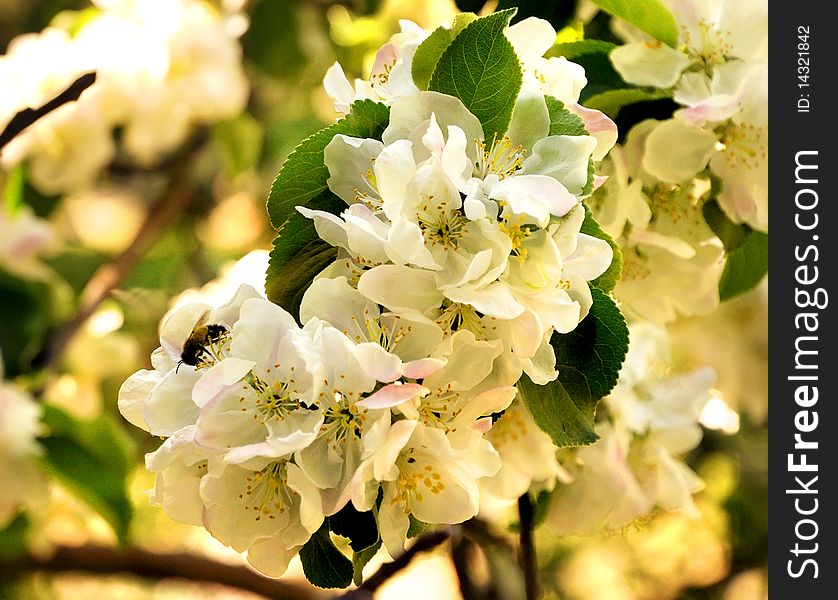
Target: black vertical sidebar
{"type": "Point", "coordinates": [803, 256]}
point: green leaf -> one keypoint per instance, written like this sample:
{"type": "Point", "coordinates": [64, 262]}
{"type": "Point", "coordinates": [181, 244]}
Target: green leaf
{"type": "Point", "coordinates": [303, 175]}
{"type": "Point", "coordinates": [562, 121]}
{"type": "Point", "coordinates": [745, 267]}
{"type": "Point", "coordinates": [360, 560]}
{"type": "Point", "coordinates": [573, 50]}
{"type": "Point", "coordinates": [608, 280]}
{"type": "Point", "coordinates": [589, 183]}
{"type": "Point", "coordinates": [588, 360]}
{"type": "Point", "coordinates": [732, 235]}
{"type": "Point", "coordinates": [13, 537]}
{"type": "Point", "coordinates": [428, 53]}
{"type": "Point", "coordinates": [239, 143]}
{"type": "Point", "coordinates": [416, 527]}
{"type": "Point", "coordinates": [651, 16]}
{"type": "Point", "coordinates": [598, 345]}
{"type": "Point", "coordinates": [298, 255]}
{"type": "Point", "coordinates": [611, 101]}
{"type": "Point", "coordinates": [13, 190]}
{"type": "Point", "coordinates": [480, 68]}
{"type": "Point", "coordinates": [22, 336]}
{"type": "Point", "coordinates": [323, 564]}
{"type": "Point", "coordinates": [360, 527]}
{"type": "Point", "coordinates": [564, 408]}
{"type": "Point", "coordinates": [282, 55]}
{"type": "Point", "coordinates": [93, 459]}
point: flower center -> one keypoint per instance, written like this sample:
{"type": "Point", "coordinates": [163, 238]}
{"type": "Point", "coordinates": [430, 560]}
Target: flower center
{"type": "Point", "coordinates": [743, 145]}
{"type": "Point", "coordinates": [439, 225]}
{"type": "Point", "coordinates": [273, 401]}
{"type": "Point", "coordinates": [517, 232]}
{"type": "Point", "coordinates": [414, 482]}
{"type": "Point", "coordinates": [342, 421]}
{"type": "Point", "coordinates": [266, 492]}
{"type": "Point", "coordinates": [456, 316]}
{"type": "Point", "coordinates": [712, 46]}
{"type": "Point", "coordinates": [368, 196]}
{"type": "Point", "coordinates": [439, 409]}
{"type": "Point", "coordinates": [634, 265]}
{"type": "Point", "coordinates": [502, 158]}
{"type": "Point", "coordinates": [382, 76]}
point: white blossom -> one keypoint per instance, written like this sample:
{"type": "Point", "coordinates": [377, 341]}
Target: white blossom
{"type": "Point", "coordinates": [24, 484]}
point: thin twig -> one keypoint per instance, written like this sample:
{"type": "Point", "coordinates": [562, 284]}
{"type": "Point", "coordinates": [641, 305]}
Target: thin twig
{"type": "Point", "coordinates": [424, 543]}
{"type": "Point", "coordinates": [28, 116]}
{"type": "Point", "coordinates": [462, 555]}
{"type": "Point", "coordinates": [108, 276]}
{"type": "Point", "coordinates": [526, 554]}
{"type": "Point", "coordinates": [152, 565]}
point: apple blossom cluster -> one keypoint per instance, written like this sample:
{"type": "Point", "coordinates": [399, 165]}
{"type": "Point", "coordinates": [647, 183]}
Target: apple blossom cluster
{"type": "Point", "coordinates": [271, 427]}
{"type": "Point", "coordinates": [666, 243]}
{"type": "Point", "coordinates": [719, 75]}
{"type": "Point", "coordinates": [654, 418]}
{"type": "Point", "coordinates": [459, 256]}
{"type": "Point", "coordinates": [24, 484]}
{"type": "Point", "coordinates": [163, 67]}
{"type": "Point", "coordinates": [23, 237]}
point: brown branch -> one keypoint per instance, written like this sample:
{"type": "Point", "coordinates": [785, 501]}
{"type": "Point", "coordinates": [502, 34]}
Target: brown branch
{"type": "Point", "coordinates": [28, 116]}
{"type": "Point", "coordinates": [110, 275]}
{"type": "Point", "coordinates": [151, 565]}
{"type": "Point", "coordinates": [424, 543]}
{"type": "Point", "coordinates": [462, 549]}
{"type": "Point", "coordinates": [526, 555]}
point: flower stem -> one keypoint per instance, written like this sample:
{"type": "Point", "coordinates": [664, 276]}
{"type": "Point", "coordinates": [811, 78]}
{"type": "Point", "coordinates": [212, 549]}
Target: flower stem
{"type": "Point", "coordinates": [526, 551]}
{"type": "Point", "coordinates": [28, 116]}
{"type": "Point", "coordinates": [100, 560]}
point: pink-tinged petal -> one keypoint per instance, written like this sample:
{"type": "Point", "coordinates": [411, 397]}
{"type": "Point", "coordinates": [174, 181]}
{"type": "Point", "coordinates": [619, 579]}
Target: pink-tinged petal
{"type": "Point", "coordinates": [219, 378]}
{"type": "Point", "coordinates": [421, 368]}
{"type": "Point", "coordinates": [482, 425]}
{"type": "Point", "coordinates": [598, 125]}
{"type": "Point", "coordinates": [714, 109]}
{"type": "Point", "coordinates": [242, 454]}
{"type": "Point", "coordinates": [385, 58]}
{"type": "Point", "coordinates": [393, 395]}
{"type": "Point", "coordinates": [599, 180]}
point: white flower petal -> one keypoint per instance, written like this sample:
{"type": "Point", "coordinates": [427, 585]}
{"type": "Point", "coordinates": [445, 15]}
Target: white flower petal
{"type": "Point", "coordinates": [338, 88]}
{"type": "Point", "coordinates": [349, 160]}
{"type": "Point", "coordinates": [531, 38]}
{"type": "Point", "coordinates": [676, 152]}
{"type": "Point", "coordinates": [649, 63]}
{"type": "Point", "coordinates": [562, 157]}
{"type": "Point", "coordinates": [393, 395]}
{"type": "Point", "coordinates": [398, 287]}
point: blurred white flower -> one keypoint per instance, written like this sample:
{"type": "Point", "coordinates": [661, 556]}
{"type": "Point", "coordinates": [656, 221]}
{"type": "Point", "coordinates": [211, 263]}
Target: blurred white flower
{"type": "Point", "coordinates": [163, 68]}
{"type": "Point", "coordinates": [24, 484]}
{"type": "Point", "coordinates": [653, 421]}
{"type": "Point", "coordinates": [23, 236]}
{"type": "Point", "coordinates": [719, 73]}
{"type": "Point", "coordinates": [672, 261]}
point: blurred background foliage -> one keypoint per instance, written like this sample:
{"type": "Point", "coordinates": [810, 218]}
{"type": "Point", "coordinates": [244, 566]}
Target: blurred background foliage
{"type": "Point", "coordinates": [287, 49]}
